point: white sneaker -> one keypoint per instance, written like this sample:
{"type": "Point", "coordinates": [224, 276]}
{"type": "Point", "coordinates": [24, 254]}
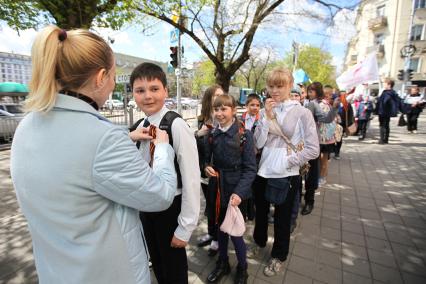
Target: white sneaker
{"type": "Point", "coordinates": [214, 245]}
{"type": "Point", "coordinates": [414, 132]}
{"type": "Point", "coordinates": [273, 267]}
{"type": "Point", "coordinates": [204, 238]}
{"type": "Point", "coordinates": [322, 181]}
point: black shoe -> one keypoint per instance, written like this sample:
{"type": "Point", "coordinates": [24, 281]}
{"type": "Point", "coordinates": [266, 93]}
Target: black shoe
{"type": "Point", "coordinates": [212, 252]}
{"type": "Point", "coordinates": [222, 268]}
{"type": "Point", "coordinates": [204, 242]}
{"type": "Point", "coordinates": [307, 209]}
{"type": "Point", "coordinates": [381, 142]}
{"type": "Point", "coordinates": [241, 276]}
{"type": "Point", "coordinates": [293, 227]}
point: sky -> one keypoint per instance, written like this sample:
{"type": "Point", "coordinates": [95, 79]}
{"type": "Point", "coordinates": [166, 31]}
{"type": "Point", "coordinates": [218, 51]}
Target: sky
{"type": "Point", "coordinates": [276, 33]}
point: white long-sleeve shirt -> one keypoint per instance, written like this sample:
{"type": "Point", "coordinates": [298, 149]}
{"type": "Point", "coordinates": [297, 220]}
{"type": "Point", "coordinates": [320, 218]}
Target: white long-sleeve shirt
{"type": "Point", "coordinates": [185, 149]}
{"type": "Point", "coordinates": [298, 125]}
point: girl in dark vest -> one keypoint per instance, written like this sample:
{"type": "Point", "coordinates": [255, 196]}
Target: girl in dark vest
{"type": "Point", "coordinates": [231, 165]}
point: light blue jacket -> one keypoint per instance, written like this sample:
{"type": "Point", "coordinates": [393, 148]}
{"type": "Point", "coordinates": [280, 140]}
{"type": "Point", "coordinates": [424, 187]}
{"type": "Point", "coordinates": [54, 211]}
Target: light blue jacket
{"type": "Point", "coordinates": [80, 182]}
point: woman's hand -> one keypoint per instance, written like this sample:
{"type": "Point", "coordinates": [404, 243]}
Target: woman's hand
{"type": "Point", "coordinates": [140, 134]}
{"type": "Point", "coordinates": [269, 105]}
{"type": "Point", "coordinates": [210, 172]}
{"type": "Point", "coordinates": [161, 136]}
{"type": "Point", "coordinates": [235, 200]}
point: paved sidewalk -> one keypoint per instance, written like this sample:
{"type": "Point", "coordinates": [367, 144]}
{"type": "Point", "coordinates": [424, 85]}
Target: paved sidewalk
{"type": "Point", "coordinates": [368, 225]}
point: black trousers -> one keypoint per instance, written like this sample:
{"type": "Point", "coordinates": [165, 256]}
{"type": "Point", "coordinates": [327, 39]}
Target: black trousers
{"type": "Point", "coordinates": [311, 181]}
{"type": "Point", "coordinates": [170, 264]}
{"type": "Point", "coordinates": [282, 219]}
{"type": "Point", "coordinates": [338, 147]}
{"type": "Point", "coordinates": [210, 196]}
{"type": "Point", "coordinates": [412, 121]}
{"type": "Point", "coordinates": [362, 126]}
{"type": "Point", "coordinates": [384, 128]}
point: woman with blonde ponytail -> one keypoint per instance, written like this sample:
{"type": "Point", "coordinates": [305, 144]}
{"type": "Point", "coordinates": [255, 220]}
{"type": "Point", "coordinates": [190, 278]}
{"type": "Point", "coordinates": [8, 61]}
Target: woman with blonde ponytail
{"type": "Point", "coordinates": [79, 179]}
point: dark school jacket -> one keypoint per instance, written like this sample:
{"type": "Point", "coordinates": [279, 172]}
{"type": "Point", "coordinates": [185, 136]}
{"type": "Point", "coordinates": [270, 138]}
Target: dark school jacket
{"type": "Point", "coordinates": [235, 161]}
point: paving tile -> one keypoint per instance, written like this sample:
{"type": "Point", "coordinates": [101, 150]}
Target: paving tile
{"type": "Point", "coordinates": [385, 274]}
{"type": "Point", "coordinates": [383, 258]}
{"type": "Point", "coordinates": [329, 244]}
{"type": "Point", "coordinates": [295, 278]}
{"type": "Point", "coordinates": [378, 244]}
{"type": "Point", "coordinates": [330, 233]}
{"type": "Point", "coordinates": [327, 274]}
{"type": "Point", "coordinates": [304, 250]}
{"type": "Point", "coordinates": [352, 227]}
{"type": "Point", "coordinates": [353, 238]}
{"type": "Point", "coordinates": [329, 258]}
{"type": "Point", "coordinates": [351, 278]}
{"type": "Point", "coordinates": [302, 266]}
{"type": "Point", "coordinates": [413, 279]}
{"type": "Point", "coordinates": [331, 223]}
{"type": "Point", "coordinates": [354, 251]}
{"type": "Point", "coordinates": [376, 233]}
{"type": "Point", "coordinates": [358, 266]}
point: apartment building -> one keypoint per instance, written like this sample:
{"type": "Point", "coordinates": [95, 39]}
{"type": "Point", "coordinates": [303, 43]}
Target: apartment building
{"type": "Point", "coordinates": [15, 68]}
{"type": "Point", "coordinates": [383, 27]}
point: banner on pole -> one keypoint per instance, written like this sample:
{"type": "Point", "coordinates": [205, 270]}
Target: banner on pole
{"type": "Point", "coordinates": [366, 71]}
{"type": "Point", "coordinates": [300, 76]}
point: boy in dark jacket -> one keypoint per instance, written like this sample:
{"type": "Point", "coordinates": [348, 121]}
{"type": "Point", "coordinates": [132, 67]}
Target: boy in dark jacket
{"type": "Point", "coordinates": [387, 107]}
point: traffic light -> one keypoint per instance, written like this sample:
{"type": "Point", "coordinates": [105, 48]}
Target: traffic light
{"type": "Point", "coordinates": [409, 74]}
{"type": "Point", "coordinates": [174, 56]}
{"type": "Point", "coordinates": [401, 75]}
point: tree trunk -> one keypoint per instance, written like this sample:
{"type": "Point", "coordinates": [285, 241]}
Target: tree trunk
{"type": "Point", "coordinates": [224, 80]}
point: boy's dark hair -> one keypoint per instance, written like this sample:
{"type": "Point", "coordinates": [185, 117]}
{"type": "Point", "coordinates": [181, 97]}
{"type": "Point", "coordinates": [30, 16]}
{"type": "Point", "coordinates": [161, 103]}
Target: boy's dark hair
{"type": "Point", "coordinates": [328, 87]}
{"type": "Point", "coordinates": [253, 96]}
{"type": "Point", "coordinates": [148, 71]}
{"type": "Point", "coordinates": [317, 87]}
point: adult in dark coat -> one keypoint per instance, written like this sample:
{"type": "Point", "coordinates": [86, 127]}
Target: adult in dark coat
{"type": "Point", "coordinates": [387, 107]}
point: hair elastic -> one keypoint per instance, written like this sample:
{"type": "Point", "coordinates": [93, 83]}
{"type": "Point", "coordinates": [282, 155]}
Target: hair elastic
{"type": "Point", "coordinates": [62, 35]}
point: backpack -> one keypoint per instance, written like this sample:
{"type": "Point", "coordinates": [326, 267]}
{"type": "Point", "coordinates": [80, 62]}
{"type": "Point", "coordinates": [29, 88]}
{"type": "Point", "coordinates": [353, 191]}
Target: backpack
{"type": "Point", "coordinates": [165, 124]}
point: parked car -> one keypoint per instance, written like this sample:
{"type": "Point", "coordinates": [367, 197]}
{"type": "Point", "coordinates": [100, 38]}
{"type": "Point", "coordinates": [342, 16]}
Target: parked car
{"type": "Point", "coordinates": [112, 104]}
{"type": "Point", "coordinates": [132, 104]}
{"type": "Point", "coordinates": [10, 116]}
{"type": "Point", "coordinates": [188, 102]}
{"type": "Point", "coordinates": [170, 103]}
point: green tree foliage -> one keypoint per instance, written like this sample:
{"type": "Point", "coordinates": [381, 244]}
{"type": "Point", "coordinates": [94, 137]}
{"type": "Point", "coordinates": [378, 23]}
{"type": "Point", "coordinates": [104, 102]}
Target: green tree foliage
{"type": "Point", "coordinates": [316, 62]}
{"type": "Point", "coordinates": [67, 14]}
{"type": "Point", "coordinates": [203, 77]}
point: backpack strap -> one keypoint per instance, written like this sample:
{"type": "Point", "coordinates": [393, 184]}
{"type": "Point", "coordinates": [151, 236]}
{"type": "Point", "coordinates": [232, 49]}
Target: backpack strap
{"type": "Point", "coordinates": [133, 128]}
{"type": "Point", "coordinates": [166, 124]}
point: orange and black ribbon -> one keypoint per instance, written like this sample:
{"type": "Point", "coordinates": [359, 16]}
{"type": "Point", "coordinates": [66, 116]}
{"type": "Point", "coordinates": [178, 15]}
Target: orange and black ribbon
{"type": "Point", "coordinates": [217, 198]}
{"type": "Point", "coordinates": [152, 132]}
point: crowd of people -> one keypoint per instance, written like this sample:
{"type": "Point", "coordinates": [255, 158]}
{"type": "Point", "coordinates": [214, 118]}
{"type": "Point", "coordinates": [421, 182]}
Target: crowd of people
{"type": "Point", "coordinates": [102, 201]}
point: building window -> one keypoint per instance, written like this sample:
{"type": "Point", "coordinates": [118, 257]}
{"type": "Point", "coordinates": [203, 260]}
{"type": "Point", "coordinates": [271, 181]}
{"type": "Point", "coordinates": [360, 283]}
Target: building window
{"type": "Point", "coordinates": [379, 39]}
{"type": "Point", "coordinates": [419, 4]}
{"type": "Point", "coordinates": [417, 32]}
{"type": "Point", "coordinates": [380, 11]}
{"type": "Point", "coordinates": [415, 64]}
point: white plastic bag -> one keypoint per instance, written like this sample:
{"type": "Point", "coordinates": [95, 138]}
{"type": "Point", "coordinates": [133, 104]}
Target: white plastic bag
{"type": "Point", "coordinates": [233, 224]}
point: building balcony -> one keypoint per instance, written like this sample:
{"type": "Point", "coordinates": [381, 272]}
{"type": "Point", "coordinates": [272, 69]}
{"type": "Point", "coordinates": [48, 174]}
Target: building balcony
{"type": "Point", "coordinates": [377, 23]}
{"type": "Point", "coordinates": [420, 45]}
{"type": "Point", "coordinates": [379, 49]}
{"type": "Point", "coordinates": [420, 13]}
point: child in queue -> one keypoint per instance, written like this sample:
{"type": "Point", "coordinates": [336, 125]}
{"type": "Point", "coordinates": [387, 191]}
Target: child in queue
{"type": "Point", "coordinates": [231, 165]}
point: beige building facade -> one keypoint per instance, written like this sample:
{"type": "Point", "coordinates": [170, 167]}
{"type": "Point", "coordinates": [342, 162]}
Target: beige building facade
{"type": "Point", "coordinates": [383, 27]}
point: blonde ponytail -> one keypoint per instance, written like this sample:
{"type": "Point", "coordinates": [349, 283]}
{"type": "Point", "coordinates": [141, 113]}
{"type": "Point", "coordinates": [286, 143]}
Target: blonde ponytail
{"type": "Point", "coordinates": [44, 57]}
{"type": "Point", "coordinates": [68, 63]}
